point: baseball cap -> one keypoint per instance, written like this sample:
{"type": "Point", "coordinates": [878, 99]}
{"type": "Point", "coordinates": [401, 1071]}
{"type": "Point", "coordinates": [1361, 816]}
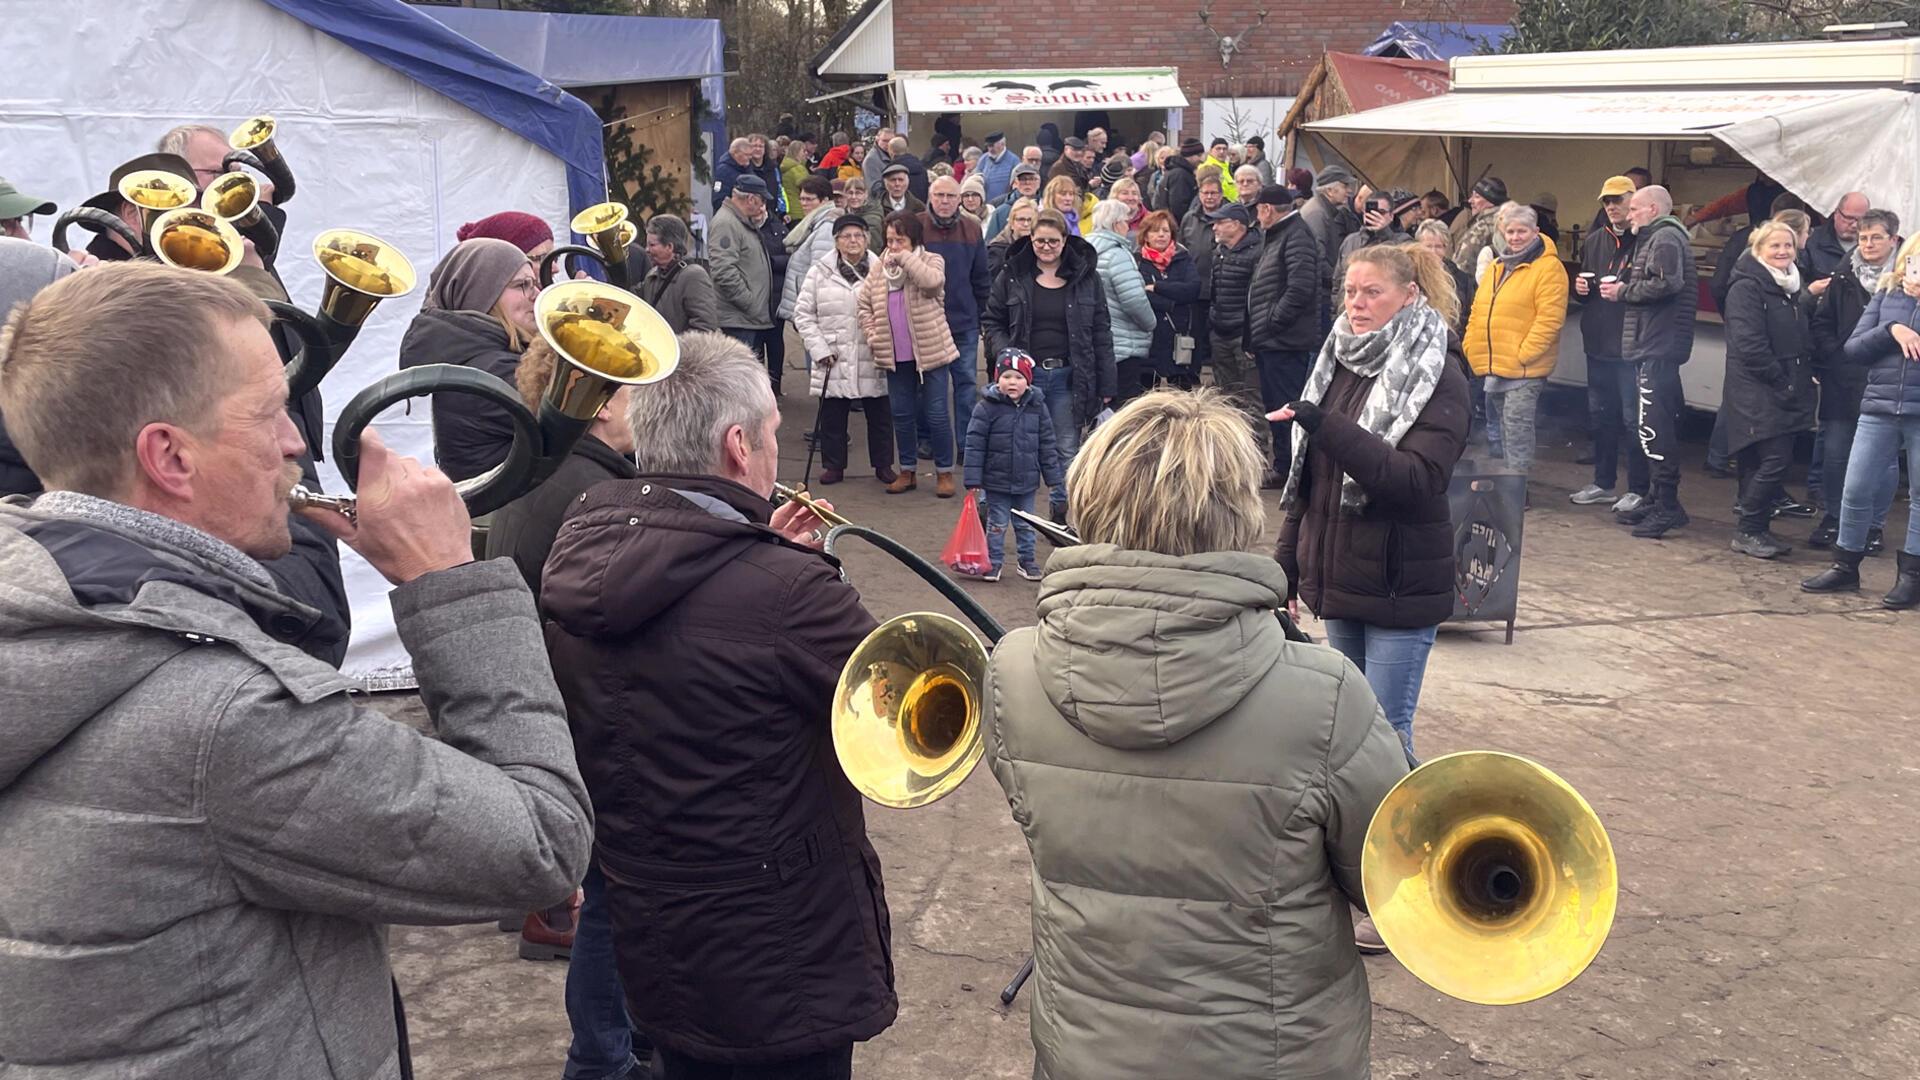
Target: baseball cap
{"type": "Point", "coordinates": [1233, 211]}
{"type": "Point", "coordinates": [15, 203]}
{"type": "Point", "coordinates": [1616, 185]}
{"type": "Point", "coordinates": [1025, 168]}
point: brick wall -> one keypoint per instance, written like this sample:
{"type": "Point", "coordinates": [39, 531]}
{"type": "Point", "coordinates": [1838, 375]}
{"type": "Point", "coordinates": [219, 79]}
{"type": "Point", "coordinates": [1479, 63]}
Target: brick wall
{"type": "Point", "coordinates": [971, 35]}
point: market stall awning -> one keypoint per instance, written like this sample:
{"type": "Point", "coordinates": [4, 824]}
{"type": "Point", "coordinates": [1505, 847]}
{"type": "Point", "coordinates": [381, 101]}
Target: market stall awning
{"type": "Point", "coordinates": [1639, 114]}
{"type": "Point", "coordinates": [1026, 91]}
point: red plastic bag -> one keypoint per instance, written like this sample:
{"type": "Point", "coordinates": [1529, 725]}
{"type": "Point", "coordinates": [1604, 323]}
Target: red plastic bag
{"type": "Point", "coordinates": [966, 550]}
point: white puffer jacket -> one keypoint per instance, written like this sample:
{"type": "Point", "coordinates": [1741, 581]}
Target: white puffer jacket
{"type": "Point", "coordinates": [809, 242]}
{"type": "Point", "coordinates": [827, 315]}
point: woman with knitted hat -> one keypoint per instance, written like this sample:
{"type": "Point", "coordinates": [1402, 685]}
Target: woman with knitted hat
{"type": "Point", "coordinates": [478, 313]}
{"type": "Point", "coordinates": [524, 231]}
{"type": "Point", "coordinates": [973, 198]}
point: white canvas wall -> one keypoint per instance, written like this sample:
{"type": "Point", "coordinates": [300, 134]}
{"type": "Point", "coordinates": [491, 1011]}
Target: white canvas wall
{"type": "Point", "coordinates": [101, 80]}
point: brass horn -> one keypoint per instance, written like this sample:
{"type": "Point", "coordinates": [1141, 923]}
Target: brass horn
{"type": "Point", "coordinates": [154, 192]}
{"type": "Point", "coordinates": [362, 271]}
{"type": "Point", "coordinates": [612, 234]}
{"type": "Point", "coordinates": [605, 338]}
{"type": "Point", "coordinates": [235, 198]}
{"type": "Point", "coordinates": [1489, 877]}
{"type": "Point", "coordinates": [254, 138]}
{"type": "Point", "coordinates": [195, 239]}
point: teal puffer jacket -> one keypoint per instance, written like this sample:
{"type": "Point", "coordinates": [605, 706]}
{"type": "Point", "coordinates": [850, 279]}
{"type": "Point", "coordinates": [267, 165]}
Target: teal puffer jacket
{"type": "Point", "coordinates": [1128, 306]}
{"type": "Point", "coordinates": [1194, 790]}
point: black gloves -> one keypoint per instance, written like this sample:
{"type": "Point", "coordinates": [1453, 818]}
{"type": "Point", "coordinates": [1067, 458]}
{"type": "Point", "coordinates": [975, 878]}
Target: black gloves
{"type": "Point", "coordinates": [1307, 415]}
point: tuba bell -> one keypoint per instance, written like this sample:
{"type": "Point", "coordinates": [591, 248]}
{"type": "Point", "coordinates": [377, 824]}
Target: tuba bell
{"type": "Point", "coordinates": [253, 145]}
{"type": "Point", "coordinates": [907, 710]}
{"type": "Point", "coordinates": [1489, 877]}
{"type": "Point", "coordinates": [194, 239]}
{"type": "Point", "coordinates": [605, 338]}
{"type": "Point", "coordinates": [612, 234]}
{"type": "Point", "coordinates": [154, 192]}
{"type": "Point", "coordinates": [235, 198]}
{"type": "Point", "coordinates": [361, 270]}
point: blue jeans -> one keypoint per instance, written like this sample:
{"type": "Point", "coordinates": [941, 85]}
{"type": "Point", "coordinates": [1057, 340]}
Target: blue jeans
{"type": "Point", "coordinates": [1837, 437]}
{"type": "Point", "coordinates": [1394, 662]}
{"type": "Point", "coordinates": [1057, 385]}
{"type": "Point", "coordinates": [1875, 446]}
{"type": "Point", "coordinates": [919, 399]}
{"type": "Point", "coordinates": [604, 1042]}
{"type": "Point", "coordinates": [966, 373]}
{"type": "Point", "coordinates": [1000, 505]}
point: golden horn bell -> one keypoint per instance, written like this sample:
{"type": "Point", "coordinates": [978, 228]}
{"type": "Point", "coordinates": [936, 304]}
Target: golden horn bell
{"type": "Point", "coordinates": [234, 197]}
{"type": "Point", "coordinates": [607, 226]}
{"type": "Point", "coordinates": [154, 192]}
{"type": "Point", "coordinates": [1489, 877]}
{"type": "Point", "coordinates": [194, 239]}
{"type": "Point", "coordinates": [907, 710]}
{"type": "Point", "coordinates": [361, 270]}
{"type": "Point", "coordinates": [256, 136]}
{"type": "Point", "coordinates": [609, 338]}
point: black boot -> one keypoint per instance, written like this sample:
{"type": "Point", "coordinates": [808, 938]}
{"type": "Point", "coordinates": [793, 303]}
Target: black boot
{"type": "Point", "coordinates": [1825, 533]}
{"type": "Point", "coordinates": [1906, 587]}
{"type": "Point", "coordinates": [1842, 576]}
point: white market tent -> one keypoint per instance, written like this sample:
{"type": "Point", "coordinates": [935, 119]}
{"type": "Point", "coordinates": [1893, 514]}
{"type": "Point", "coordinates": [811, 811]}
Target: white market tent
{"type": "Point", "coordinates": [392, 124]}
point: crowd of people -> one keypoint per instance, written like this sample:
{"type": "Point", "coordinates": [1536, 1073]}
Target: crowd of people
{"type": "Point", "coordinates": [631, 760]}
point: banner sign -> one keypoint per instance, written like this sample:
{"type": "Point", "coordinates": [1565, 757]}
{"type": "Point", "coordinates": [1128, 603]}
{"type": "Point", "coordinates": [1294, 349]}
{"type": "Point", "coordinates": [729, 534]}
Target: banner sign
{"type": "Point", "coordinates": [1022, 91]}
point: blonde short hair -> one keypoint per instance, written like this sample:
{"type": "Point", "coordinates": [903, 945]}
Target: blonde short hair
{"type": "Point", "coordinates": [1767, 230]}
{"type": "Point", "coordinates": [97, 356]}
{"type": "Point", "coordinates": [1174, 472]}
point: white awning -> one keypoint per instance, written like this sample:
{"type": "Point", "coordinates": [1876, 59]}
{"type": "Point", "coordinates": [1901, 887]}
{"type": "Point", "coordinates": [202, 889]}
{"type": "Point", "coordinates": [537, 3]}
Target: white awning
{"type": "Point", "coordinates": [1032, 91]}
{"type": "Point", "coordinates": [1638, 114]}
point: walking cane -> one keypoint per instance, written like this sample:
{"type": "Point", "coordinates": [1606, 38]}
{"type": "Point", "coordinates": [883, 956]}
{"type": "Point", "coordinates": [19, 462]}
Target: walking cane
{"type": "Point", "coordinates": [813, 441]}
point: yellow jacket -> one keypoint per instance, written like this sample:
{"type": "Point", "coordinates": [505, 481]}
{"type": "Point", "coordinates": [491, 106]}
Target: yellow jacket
{"type": "Point", "coordinates": [1227, 187]}
{"type": "Point", "coordinates": [1514, 328]}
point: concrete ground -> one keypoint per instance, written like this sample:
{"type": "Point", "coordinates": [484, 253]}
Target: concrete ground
{"type": "Point", "coordinates": [1744, 743]}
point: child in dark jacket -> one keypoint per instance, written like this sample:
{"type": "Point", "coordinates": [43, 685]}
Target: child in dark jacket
{"type": "Point", "coordinates": [1010, 449]}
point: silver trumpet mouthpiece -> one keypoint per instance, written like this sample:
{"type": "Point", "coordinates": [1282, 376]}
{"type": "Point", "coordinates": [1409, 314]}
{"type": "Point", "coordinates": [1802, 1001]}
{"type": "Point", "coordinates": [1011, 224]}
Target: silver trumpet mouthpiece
{"type": "Point", "coordinates": [345, 505]}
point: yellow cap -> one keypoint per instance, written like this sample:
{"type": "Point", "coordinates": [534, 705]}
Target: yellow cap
{"type": "Point", "coordinates": [1616, 185]}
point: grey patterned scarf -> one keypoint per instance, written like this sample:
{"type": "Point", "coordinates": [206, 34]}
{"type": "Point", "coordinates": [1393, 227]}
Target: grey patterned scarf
{"type": "Point", "coordinates": [1405, 360]}
{"type": "Point", "coordinates": [1868, 274]}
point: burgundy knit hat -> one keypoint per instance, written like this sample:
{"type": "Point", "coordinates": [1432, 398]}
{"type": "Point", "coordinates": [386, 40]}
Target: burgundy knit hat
{"type": "Point", "coordinates": [522, 230]}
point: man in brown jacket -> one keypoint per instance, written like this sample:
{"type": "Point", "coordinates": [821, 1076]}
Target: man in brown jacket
{"type": "Point", "coordinates": [697, 635]}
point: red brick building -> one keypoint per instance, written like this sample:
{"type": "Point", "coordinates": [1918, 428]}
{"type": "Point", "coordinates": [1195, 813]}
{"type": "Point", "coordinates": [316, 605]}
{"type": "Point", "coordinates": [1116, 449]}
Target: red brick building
{"type": "Point", "coordinates": [887, 36]}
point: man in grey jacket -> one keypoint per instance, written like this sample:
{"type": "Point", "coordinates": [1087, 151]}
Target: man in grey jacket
{"type": "Point", "coordinates": [741, 269]}
{"type": "Point", "coordinates": [204, 832]}
{"type": "Point", "coordinates": [1660, 293]}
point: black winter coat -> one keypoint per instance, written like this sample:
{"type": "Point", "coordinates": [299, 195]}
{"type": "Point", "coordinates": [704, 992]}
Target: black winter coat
{"type": "Point", "coordinates": [1835, 315]}
{"type": "Point", "coordinates": [1174, 293]}
{"type": "Point", "coordinates": [1893, 381]}
{"type": "Point", "coordinates": [773, 237]}
{"type": "Point", "coordinates": [1011, 445]}
{"type": "Point", "coordinates": [1769, 385]}
{"type": "Point", "coordinates": [1283, 301]}
{"type": "Point", "coordinates": [697, 652]}
{"type": "Point", "coordinates": [1603, 321]}
{"type": "Point", "coordinates": [1232, 281]}
{"type": "Point", "coordinates": [1196, 235]}
{"type": "Point", "coordinates": [1178, 188]}
{"type": "Point", "coordinates": [1392, 564]}
{"type": "Point", "coordinates": [524, 529]}
{"type": "Point", "coordinates": [1008, 321]}
{"type": "Point", "coordinates": [1661, 293]}
{"type": "Point", "coordinates": [470, 434]}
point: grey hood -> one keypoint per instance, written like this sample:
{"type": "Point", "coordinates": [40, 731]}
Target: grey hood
{"type": "Point", "coordinates": [1140, 650]}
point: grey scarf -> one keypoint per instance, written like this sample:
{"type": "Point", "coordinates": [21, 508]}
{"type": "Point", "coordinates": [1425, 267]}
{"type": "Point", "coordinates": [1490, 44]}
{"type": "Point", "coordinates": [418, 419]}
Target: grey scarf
{"type": "Point", "coordinates": [74, 506]}
{"type": "Point", "coordinates": [1868, 274]}
{"type": "Point", "coordinates": [1515, 260]}
{"type": "Point", "coordinates": [1405, 360]}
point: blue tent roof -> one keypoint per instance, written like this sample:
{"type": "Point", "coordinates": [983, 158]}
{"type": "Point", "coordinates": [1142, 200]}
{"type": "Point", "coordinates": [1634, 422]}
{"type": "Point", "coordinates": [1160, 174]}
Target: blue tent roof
{"type": "Point", "coordinates": [1436, 40]}
{"type": "Point", "coordinates": [604, 50]}
{"type": "Point", "coordinates": [406, 40]}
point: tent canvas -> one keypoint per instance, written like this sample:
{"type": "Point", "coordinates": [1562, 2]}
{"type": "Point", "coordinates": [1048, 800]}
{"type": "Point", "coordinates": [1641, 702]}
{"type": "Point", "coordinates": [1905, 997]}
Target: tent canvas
{"type": "Point", "coordinates": [1436, 40]}
{"type": "Point", "coordinates": [403, 129]}
{"type": "Point", "coordinates": [1342, 83]}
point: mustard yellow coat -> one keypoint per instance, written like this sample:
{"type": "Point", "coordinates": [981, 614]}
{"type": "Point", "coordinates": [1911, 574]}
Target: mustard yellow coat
{"type": "Point", "coordinates": [1514, 328]}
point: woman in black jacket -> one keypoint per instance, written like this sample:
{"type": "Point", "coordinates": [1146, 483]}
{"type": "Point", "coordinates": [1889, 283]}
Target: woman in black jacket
{"type": "Point", "coordinates": [1173, 284]}
{"type": "Point", "coordinates": [1768, 396]}
{"type": "Point", "coordinates": [1048, 304]}
{"type": "Point", "coordinates": [478, 313]}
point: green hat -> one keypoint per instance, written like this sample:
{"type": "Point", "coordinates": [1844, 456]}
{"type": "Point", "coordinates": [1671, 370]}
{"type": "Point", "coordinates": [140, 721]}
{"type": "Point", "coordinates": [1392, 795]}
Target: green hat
{"type": "Point", "coordinates": [15, 204]}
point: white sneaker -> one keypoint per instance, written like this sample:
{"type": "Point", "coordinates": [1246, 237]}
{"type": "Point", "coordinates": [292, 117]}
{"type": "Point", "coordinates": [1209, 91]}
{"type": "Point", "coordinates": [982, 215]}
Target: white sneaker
{"type": "Point", "coordinates": [1629, 501]}
{"type": "Point", "coordinates": [1591, 494]}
